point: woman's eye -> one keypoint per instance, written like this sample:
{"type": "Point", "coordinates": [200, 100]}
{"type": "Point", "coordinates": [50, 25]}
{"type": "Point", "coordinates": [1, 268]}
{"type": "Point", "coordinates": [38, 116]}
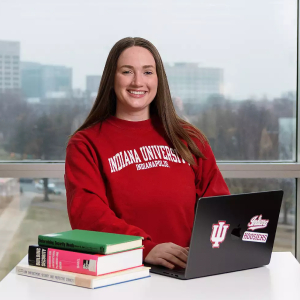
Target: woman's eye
{"type": "Point", "coordinates": [147, 72]}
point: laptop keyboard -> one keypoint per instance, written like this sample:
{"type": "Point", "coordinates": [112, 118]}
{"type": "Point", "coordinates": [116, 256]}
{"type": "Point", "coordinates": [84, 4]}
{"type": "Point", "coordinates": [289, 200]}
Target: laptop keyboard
{"type": "Point", "coordinates": [166, 270]}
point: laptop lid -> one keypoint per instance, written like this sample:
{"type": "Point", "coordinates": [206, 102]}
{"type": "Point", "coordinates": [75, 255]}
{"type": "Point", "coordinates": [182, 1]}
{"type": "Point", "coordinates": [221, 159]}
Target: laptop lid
{"type": "Point", "coordinates": [233, 232]}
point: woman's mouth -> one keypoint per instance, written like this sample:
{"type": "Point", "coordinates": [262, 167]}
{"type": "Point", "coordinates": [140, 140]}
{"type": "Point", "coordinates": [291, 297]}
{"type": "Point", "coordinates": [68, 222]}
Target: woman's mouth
{"type": "Point", "coordinates": [136, 94]}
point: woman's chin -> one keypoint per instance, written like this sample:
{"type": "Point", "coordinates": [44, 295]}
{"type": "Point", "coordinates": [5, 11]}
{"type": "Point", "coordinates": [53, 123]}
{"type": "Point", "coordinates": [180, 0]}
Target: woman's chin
{"type": "Point", "coordinates": [137, 105]}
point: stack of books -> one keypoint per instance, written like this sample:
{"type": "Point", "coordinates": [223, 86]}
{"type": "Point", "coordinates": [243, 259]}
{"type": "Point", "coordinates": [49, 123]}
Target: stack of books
{"type": "Point", "coordinates": [87, 259]}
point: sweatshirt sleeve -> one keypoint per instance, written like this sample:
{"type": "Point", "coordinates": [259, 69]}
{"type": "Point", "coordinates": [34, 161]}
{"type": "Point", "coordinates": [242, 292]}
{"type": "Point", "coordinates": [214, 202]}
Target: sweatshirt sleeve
{"type": "Point", "coordinates": [88, 206]}
{"type": "Point", "coordinates": [209, 180]}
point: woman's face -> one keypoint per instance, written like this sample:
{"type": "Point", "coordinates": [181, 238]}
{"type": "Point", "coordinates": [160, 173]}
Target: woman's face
{"type": "Point", "coordinates": [135, 82]}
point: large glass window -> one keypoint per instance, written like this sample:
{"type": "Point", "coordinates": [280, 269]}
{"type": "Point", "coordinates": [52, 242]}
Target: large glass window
{"type": "Point", "coordinates": [231, 68]}
{"type": "Point", "coordinates": [27, 209]}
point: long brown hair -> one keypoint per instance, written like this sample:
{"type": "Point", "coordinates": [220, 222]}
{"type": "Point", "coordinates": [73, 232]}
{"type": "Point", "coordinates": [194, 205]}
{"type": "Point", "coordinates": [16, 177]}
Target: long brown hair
{"type": "Point", "coordinates": [105, 104]}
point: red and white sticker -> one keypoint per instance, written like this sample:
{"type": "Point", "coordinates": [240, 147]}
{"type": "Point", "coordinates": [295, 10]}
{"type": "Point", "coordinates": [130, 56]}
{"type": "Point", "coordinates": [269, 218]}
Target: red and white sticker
{"type": "Point", "coordinates": [257, 222]}
{"type": "Point", "coordinates": [255, 237]}
{"type": "Point", "coordinates": [218, 233]}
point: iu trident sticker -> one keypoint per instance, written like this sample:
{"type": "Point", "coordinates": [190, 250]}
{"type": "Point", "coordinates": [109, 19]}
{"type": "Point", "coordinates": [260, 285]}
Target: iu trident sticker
{"type": "Point", "coordinates": [218, 233]}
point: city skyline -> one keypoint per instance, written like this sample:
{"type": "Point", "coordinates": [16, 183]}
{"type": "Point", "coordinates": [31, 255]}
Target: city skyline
{"type": "Point", "coordinates": [210, 85]}
{"type": "Point", "coordinates": [255, 44]}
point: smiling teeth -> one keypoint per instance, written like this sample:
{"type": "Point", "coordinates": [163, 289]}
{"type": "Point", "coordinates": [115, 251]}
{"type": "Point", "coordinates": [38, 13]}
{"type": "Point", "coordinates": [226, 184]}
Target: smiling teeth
{"type": "Point", "coordinates": [137, 93]}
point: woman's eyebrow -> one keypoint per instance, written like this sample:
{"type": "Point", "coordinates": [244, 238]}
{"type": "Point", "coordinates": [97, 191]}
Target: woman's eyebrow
{"type": "Point", "coordinates": [131, 67]}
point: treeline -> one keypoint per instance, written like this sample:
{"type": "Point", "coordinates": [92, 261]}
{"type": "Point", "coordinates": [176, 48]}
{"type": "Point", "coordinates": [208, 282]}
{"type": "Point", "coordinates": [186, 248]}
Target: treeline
{"type": "Point", "coordinates": [237, 130]}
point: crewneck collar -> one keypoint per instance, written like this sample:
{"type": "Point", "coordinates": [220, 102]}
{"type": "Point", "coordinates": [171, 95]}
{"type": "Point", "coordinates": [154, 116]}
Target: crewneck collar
{"type": "Point", "coordinates": [136, 125]}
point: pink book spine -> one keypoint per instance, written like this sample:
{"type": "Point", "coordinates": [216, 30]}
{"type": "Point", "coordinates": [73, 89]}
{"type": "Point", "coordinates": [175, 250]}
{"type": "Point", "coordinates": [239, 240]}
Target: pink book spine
{"type": "Point", "coordinates": [75, 262]}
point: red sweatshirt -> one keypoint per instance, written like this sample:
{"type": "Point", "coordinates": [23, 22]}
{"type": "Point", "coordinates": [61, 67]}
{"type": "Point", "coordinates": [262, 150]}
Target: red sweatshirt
{"type": "Point", "coordinates": [125, 177]}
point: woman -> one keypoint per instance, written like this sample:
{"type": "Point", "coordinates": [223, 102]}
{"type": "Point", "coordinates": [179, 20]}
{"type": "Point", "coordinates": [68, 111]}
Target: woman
{"type": "Point", "coordinates": [134, 167]}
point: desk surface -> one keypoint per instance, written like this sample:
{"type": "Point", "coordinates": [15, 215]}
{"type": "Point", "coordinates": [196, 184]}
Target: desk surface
{"type": "Point", "coordinates": [279, 280]}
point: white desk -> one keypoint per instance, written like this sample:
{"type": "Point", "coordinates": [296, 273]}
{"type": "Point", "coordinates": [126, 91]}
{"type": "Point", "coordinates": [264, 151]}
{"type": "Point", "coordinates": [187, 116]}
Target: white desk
{"type": "Point", "coordinates": [279, 280]}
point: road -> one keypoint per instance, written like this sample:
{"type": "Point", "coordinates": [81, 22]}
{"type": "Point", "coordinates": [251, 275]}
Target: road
{"type": "Point", "coordinates": [30, 187]}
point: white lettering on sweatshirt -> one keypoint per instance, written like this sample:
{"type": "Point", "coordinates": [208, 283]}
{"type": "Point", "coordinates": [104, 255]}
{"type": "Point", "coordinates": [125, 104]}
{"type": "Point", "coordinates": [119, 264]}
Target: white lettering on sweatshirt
{"type": "Point", "coordinates": [144, 158]}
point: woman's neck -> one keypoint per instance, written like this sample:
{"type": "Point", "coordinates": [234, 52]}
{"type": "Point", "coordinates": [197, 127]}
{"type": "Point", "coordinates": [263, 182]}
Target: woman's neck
{"type": "Point", "coordinates": [134, 116]}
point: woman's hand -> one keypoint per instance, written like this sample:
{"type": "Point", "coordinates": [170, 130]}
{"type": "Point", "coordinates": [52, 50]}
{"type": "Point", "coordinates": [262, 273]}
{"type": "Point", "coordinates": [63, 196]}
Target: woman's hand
{"type": "Point", "coordinates": [168, 255]}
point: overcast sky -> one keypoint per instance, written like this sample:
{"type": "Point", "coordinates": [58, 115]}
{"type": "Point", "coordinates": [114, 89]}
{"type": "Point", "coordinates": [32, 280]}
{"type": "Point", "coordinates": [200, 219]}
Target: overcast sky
{"type": "Point", "coordinates": [253, 41]}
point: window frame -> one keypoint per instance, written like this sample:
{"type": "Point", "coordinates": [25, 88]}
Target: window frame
{"type": "Point", "coordinates": [55, 169]}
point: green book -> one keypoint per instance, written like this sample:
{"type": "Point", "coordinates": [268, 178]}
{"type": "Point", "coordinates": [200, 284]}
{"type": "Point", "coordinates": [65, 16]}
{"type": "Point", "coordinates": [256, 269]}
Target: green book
{"type": "Point", "coordinates": [90, 241]}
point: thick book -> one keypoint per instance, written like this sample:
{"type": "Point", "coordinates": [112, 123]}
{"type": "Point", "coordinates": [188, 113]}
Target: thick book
{"type": "Point", "coordinates": [86, 281]}
{"type": "Point", "coordinates": [84, 263]}
{"type": "Point", "coordinates": [90, 241]}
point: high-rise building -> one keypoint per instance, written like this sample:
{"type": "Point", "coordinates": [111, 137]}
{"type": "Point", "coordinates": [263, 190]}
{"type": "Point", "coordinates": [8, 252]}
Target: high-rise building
{"type": "Point", "coordinates": [9, 66]}
{"type": "Point", "coordinates": [31, 79]}
{"type": "Point", "coordinates": [56, 79]}
{"type": "Point", "coordinates": [194, 84]}
{"type": "Point", "coordinates": [92, 83]}
{"type": "Point", "coordinates": [44, 81]}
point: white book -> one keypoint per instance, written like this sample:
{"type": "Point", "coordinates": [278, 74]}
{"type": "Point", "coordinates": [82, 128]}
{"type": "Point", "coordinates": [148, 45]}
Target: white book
{"type": "Point", "coordinates": [87, 281]}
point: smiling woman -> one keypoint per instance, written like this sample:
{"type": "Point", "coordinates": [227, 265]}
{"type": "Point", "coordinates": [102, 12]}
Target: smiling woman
{"type": "Point", "coordinates": [134, 167]}
{"type": "Point", "coordinates": [135, 84]}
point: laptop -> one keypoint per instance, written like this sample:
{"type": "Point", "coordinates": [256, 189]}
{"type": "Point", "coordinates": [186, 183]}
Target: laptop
{"type": "Point", "coordinates": [230, 233]}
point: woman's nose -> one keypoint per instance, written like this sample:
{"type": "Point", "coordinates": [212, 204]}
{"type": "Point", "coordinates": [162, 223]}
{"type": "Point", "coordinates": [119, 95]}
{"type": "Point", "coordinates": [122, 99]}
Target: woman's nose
{"type": "Point", "coordinates": [137, 79]}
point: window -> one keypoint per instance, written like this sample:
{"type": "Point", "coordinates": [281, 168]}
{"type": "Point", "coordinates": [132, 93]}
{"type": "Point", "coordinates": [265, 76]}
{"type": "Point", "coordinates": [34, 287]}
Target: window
{"type": "Point", "coordinates": [43, 214]}
{"type": "Point", "coordinates": [225, 77]}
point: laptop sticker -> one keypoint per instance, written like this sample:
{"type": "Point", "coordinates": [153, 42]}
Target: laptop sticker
{"type": "Point", "coordinates": [255, 237]}
{"type": "Point", "coordinates": [257, 222]}
{"type": "Point", "coordinates": [218, 233]}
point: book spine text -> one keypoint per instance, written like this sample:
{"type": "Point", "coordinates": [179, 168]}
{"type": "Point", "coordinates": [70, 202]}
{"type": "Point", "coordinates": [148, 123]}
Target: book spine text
{"type": "Point", "coordinates": [70, 245]}
{"type": "Point", "coordinates": [44, 274]}
{"type": "Point", "coordinates": [63, 260]}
